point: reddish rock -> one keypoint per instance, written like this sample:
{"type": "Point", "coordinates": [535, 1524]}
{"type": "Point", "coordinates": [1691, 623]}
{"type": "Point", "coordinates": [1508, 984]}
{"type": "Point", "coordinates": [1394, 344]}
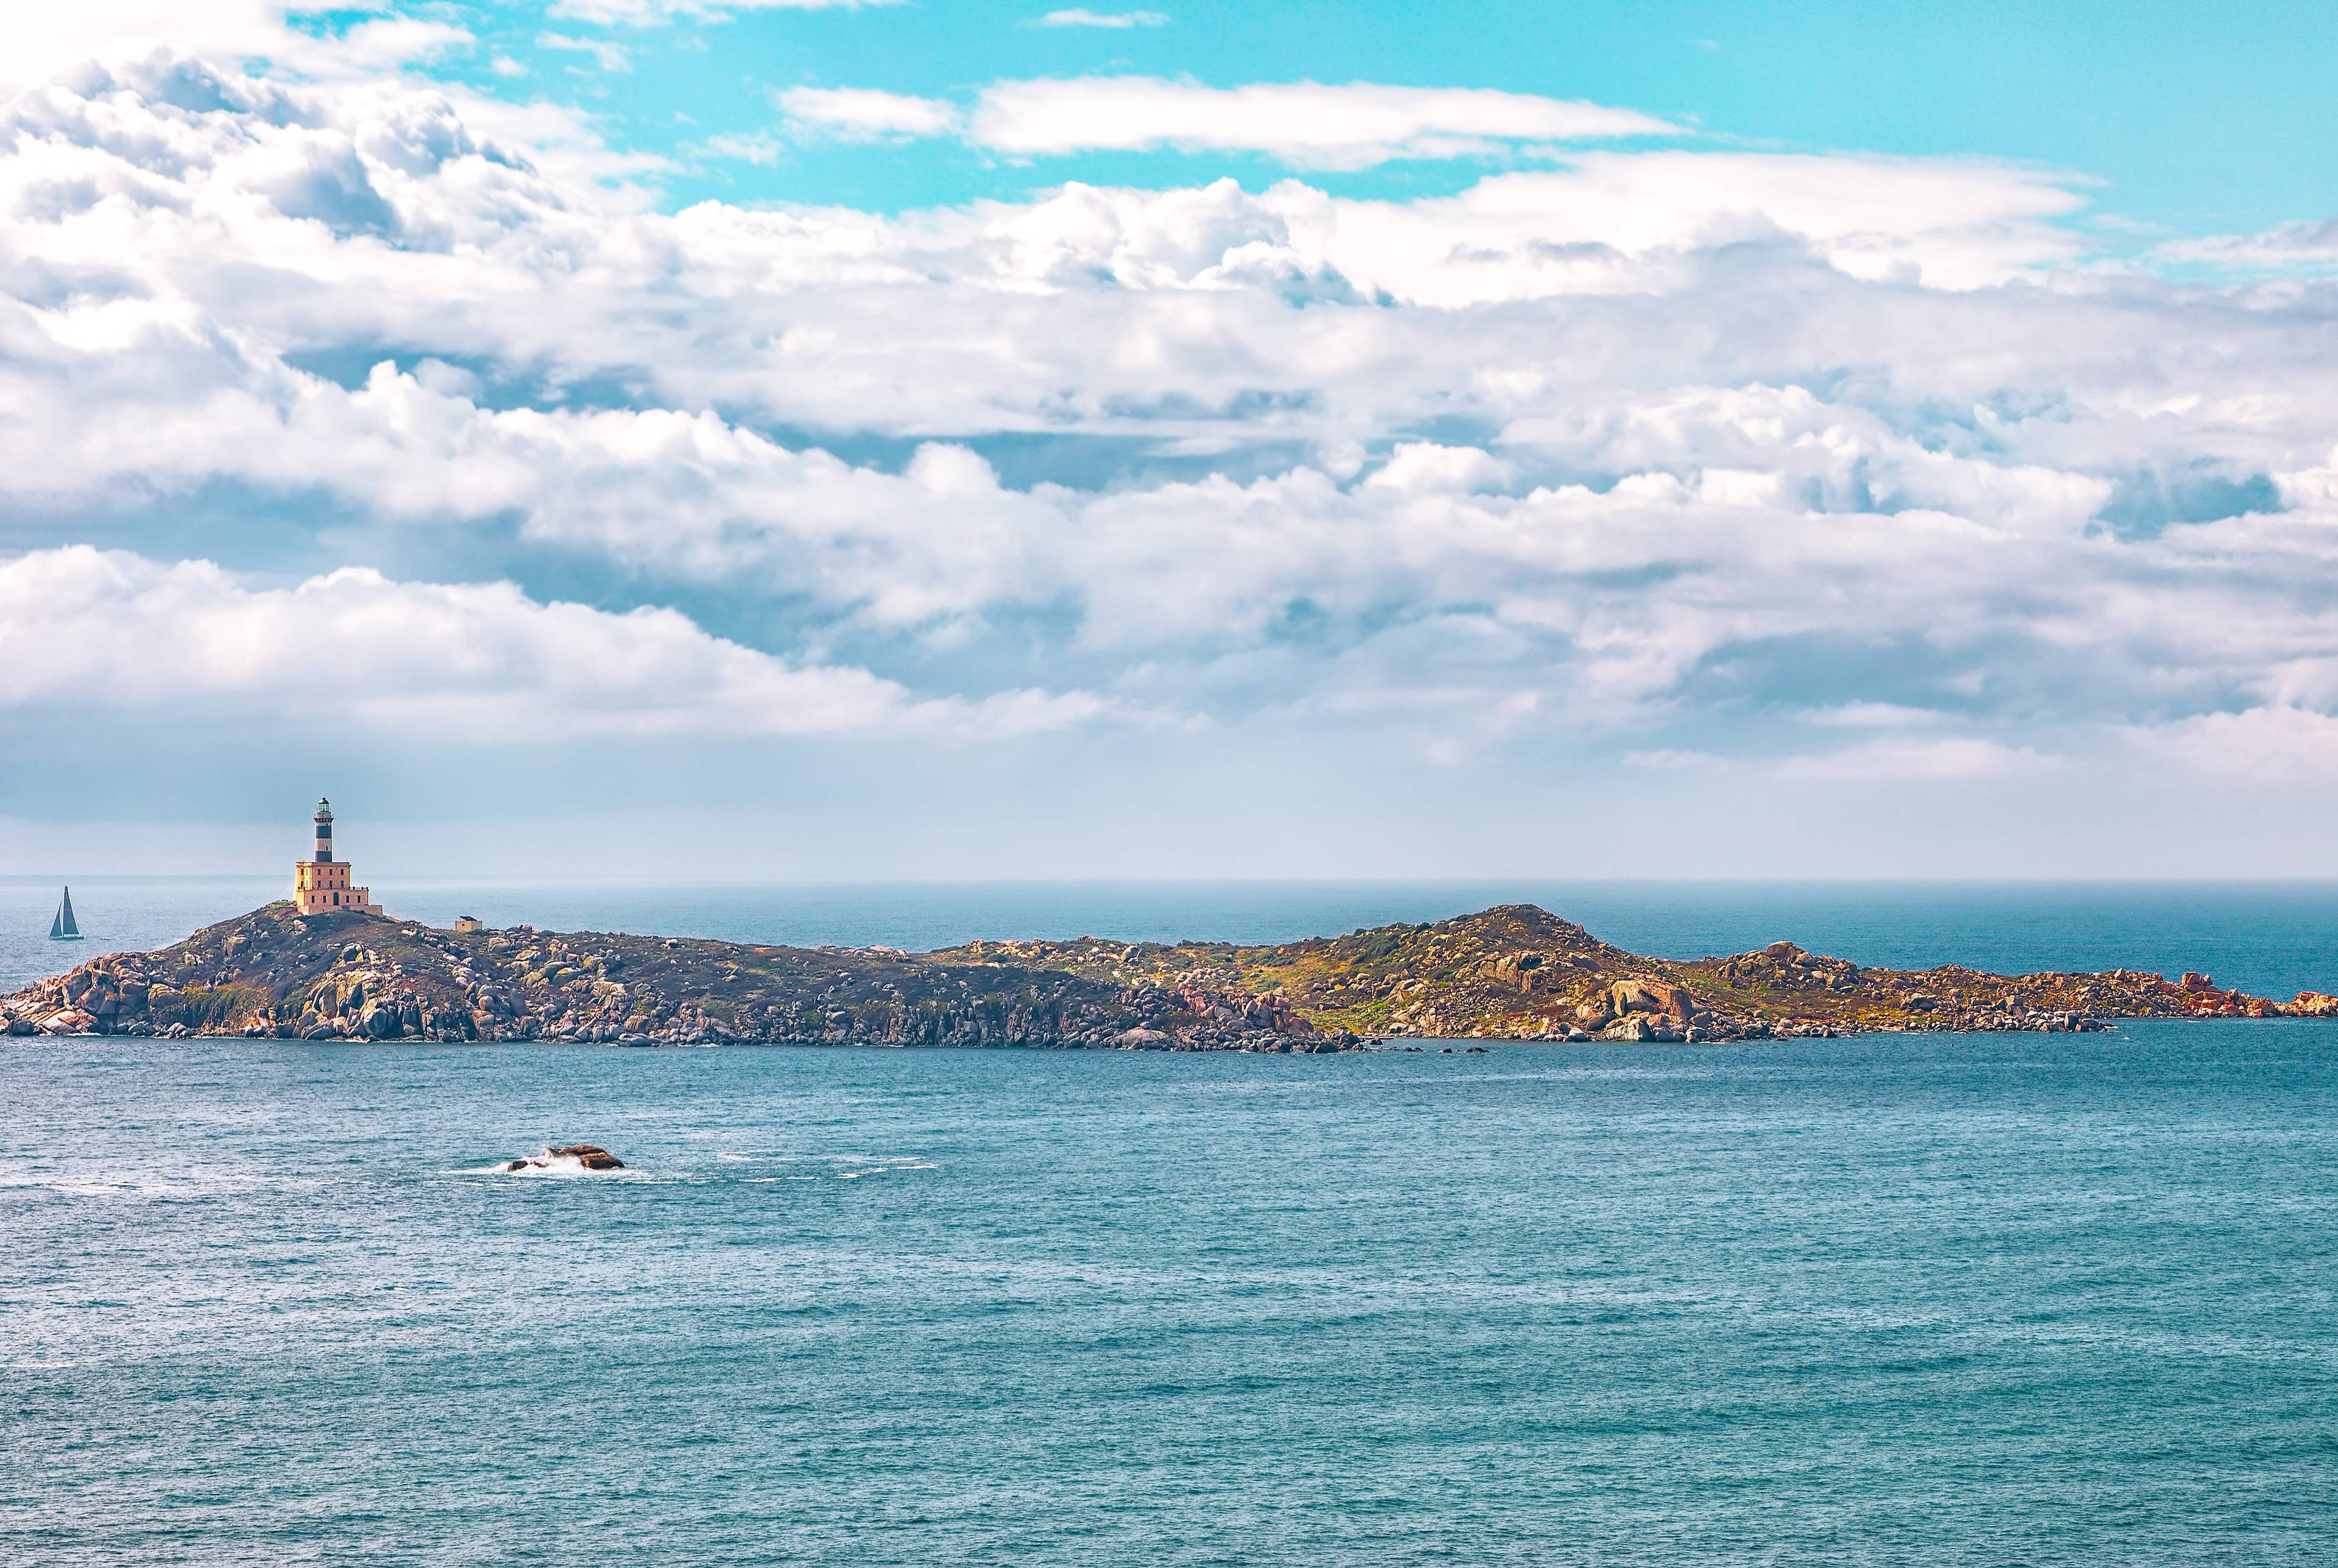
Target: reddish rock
{"type": "Point", "coordinates": [1645, 995]}
{"type": "Point", "coordinates": [591, 1156]}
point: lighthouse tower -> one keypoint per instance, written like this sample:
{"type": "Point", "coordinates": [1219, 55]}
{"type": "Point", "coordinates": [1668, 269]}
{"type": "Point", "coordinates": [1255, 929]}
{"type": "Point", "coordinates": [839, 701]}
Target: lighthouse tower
{"type": "Point", "coordinates": [321, 886]}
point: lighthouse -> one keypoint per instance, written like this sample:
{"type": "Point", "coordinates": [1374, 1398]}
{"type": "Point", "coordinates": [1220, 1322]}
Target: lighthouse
{"type": "Point", "coordinates": [321, 886]}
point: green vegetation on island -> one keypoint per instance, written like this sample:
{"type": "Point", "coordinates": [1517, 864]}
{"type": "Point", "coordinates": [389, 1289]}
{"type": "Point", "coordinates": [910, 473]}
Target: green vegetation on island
{"type": "Point", "coordinates": [1513, 973]}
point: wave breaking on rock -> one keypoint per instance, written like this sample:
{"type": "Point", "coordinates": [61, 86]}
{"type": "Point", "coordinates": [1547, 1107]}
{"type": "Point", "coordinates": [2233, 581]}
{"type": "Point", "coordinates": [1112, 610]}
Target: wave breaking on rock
{"type": "Point", "coordinates": [579, 1158]}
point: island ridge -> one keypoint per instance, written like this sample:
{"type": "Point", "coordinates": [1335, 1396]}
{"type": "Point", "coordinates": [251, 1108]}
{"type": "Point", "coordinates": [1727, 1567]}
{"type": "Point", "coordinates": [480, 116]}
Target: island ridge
{"type": "Point", "coordinates": [1511, 973]}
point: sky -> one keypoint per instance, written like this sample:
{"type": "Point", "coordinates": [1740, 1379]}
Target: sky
{"type": "Point", "coordinates": [695, 440]}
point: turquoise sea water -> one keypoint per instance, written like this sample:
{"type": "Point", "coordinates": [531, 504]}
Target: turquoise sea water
{"type": "Point", "coordinates": [1957, 1300]}
{"type": "Point", "coordinates": [1949, 1300]}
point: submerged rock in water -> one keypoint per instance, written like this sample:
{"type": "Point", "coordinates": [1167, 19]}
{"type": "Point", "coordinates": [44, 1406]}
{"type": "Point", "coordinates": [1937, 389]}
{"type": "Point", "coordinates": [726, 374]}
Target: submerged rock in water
{"type": "Point", "coordinates": [583, 1156]}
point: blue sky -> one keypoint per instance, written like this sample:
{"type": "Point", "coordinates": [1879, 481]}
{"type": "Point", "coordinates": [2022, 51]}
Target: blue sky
{"type": "Point", "coordinates": [2196, 118]}
{"type": "Point", "coordinates": [647, 437]}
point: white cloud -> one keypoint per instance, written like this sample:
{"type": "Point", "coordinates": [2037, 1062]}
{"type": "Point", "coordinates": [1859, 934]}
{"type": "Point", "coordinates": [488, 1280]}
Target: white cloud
{"type": "Point", "coordinates": [1872, 716]}
{"type": "Point", "coordinates": [861, 114]}
{"type": "Point", "coordinates": [608, 56]}
{"type": "Point", "coordinates": [2308, 245]}
{"type": "Point", "coordinates": [2278, 743]}
{"type": "Point", "coordinates": [1946, 759]}
{"type": "Point", "coordinates": [1960, 759]}
{"type": "Point", "coordinates": [394, 41]}
{"type": "Point", "coordinates": [482, 663]}
{"type": "Point", "coordinates": [46, 40]}
{"type": "Point", "coordinates": [1614, 448]}
{"type": "Point", "coordinates": [1079, 17]}
{"type": "Point", "coordinates": [1672, 759]}
{"type": "Point", "coordinates": [760, 148]}
{"type": "Point", "coordinates": [653, 12]}
{"type": "Point", "coordinates": [1594, 226]}
{"type": "Point", "coordinates": [1307, 123]}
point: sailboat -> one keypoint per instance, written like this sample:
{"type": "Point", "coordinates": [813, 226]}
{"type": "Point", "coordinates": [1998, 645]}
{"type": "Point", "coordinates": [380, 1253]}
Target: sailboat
{"type": "Point", "coordinates": [61, 928]}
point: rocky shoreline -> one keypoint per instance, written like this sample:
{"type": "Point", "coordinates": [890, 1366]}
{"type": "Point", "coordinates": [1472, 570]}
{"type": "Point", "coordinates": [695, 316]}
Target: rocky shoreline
{"type": "Point", "coordinates": [1514, 973]}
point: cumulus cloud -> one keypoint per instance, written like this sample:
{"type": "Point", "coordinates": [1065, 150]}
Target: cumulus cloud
{"type": "Point", "coordinates": [1633, 445]}
{"type": "Point", "coordinates": [46, 40]}
{"type": "Point", "coordinates": [1306, 123]}
{"type": "Point", "coordinates": [480, 662]}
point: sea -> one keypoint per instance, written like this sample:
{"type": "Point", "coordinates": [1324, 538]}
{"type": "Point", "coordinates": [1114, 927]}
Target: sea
{"type": "Point", "coordinates": [1985, 1300]}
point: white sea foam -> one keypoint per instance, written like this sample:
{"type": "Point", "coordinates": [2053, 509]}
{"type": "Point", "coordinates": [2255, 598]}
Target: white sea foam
{"type": "Point", "coordinates": [123, 1183]}
{"type": "Point", "coordinates": [565, 1166]}
{"type": "Point", "coordinates": [545, 1163]}
{"type": "Point", "coordinates": [726, 1168]}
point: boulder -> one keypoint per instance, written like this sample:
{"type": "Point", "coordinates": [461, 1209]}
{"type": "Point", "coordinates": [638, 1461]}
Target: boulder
{"type": "Point", "coordinates": [1645, 995]}
{"type": "Point", "coordinates": [2312, 1004]}
{"type": "Point", "coordinates": [1519, 969]}
{"type": "Point", "coordinates": [69, 1021]}
{"type": "Point", "coordinates": [585, 1156]}
{"type": "Point", "coordinates": [591, 1156]}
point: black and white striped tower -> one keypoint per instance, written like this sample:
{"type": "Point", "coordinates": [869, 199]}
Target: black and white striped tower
{"type": "Point", "coordinates": [324, 832]}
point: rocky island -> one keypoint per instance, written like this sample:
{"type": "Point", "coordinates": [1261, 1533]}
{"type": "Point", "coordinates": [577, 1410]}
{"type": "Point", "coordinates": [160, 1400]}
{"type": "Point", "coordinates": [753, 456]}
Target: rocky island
{"type": "Point", "coordinates": [1513, 973]}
